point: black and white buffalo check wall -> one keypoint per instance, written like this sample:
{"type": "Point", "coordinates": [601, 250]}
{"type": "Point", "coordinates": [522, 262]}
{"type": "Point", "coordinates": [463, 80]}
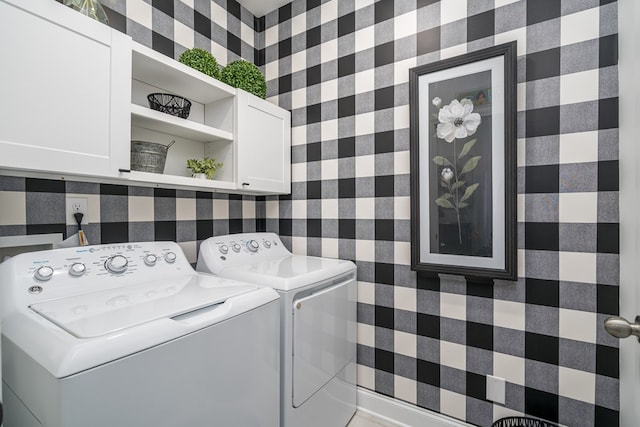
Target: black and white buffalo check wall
{"type": "Point", "coordinates": [341, 67]}
{"type": "Point", "coordinates": [222, 27]}
{"type": "Point", "coordinates": [120, 213]}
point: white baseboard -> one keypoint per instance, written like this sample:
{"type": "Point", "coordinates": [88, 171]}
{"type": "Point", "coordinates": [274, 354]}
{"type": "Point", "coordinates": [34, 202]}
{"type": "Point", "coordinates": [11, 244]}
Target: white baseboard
{"type": "Point", "coordinates": [401, 413]}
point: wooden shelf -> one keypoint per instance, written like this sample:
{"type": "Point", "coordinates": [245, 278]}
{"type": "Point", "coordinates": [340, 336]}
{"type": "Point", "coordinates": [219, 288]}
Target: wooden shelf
{"type": "Point", "coordinates": [183, 181]}
{"type": "Point", "coordinates": [250, 136]}
{"type": "Point", "coordinates": [158, 70]}
{"type": "Point", "coordinates": [165, 123]}
{"type": "Point", "coordinates": [208, 132]}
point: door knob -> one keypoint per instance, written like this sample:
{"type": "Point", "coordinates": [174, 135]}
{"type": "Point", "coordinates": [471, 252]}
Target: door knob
{"type": "Point", "coordinates": [620, 327]}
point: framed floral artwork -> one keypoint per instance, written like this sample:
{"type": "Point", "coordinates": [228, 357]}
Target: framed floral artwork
{"type": "Point", "coordinates": [463, 164]}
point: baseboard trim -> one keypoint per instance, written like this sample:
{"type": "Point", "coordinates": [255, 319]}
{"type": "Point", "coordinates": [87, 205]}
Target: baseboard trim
{"type": "Point", "coordinates": [402, 413]}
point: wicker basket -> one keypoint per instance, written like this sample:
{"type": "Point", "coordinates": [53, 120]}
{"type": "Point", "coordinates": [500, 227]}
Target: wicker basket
{"type": "Point", "coordinates": [522, 422]}
{"type": "Point", "coordinates": [170, 104]}
{"type": "Point", "coordinates": [148, 156]}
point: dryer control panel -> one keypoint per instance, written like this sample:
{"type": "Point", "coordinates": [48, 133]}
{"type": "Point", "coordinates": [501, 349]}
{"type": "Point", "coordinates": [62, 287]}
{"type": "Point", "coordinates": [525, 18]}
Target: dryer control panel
{"type": "Point", "coordinates": [236, 246]}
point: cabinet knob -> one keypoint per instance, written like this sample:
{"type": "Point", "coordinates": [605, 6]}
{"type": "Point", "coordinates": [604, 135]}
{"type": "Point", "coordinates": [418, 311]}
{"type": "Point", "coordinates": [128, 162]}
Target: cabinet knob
{"type": "Point", "coordinates": [244, 184]}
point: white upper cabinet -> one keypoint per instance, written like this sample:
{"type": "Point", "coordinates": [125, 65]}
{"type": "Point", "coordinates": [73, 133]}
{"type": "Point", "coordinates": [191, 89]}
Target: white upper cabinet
{"type": "Point", "coordinates": [65, 91]}
{"type": "Point", "coordinates": [75, 96]}
{"type": "Point", "coordinates": [263, 137]}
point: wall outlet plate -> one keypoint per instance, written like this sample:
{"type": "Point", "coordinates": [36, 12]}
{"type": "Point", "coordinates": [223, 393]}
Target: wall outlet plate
{"type": "Point", "coordinates": [496, 389]}
{"type": "Point", "coordinates": [77, 204]}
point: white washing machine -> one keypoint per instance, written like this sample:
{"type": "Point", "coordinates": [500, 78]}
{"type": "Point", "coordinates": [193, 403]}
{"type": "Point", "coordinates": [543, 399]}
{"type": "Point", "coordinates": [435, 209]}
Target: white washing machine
{"type": "Point", "coordinates": [130, 335]}
{"type": "Point", "coordinates": [318, 322]}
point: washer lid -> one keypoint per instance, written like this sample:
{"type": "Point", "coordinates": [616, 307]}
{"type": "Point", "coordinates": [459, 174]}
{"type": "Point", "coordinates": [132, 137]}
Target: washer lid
{"type": "Point", "coordinates": [287, 272]}
{"type": "Point", "coordinates": [101, 313]}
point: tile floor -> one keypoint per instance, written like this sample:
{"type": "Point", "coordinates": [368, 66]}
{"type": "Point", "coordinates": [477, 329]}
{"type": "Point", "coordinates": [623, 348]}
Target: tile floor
{"type": "Point", "coordinates": [365, 419]}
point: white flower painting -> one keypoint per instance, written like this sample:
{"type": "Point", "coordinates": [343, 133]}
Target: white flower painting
{"type": "Point", "coordinates": [464, 175]}
{"type": "Point", "coordinates": [457, 121]}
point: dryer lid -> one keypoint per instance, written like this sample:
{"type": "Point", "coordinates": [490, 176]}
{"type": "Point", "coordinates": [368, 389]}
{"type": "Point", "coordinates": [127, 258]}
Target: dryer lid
{"type": "Point", "coordinates": [287, 272]}
{"type": "Point", "coordinates": [100, 313]}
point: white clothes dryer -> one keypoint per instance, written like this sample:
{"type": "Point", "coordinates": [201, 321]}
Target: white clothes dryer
{"type": "Point", "coordinates": [131, 335]}
{"type": "Point", "coordinates": [318, 322]}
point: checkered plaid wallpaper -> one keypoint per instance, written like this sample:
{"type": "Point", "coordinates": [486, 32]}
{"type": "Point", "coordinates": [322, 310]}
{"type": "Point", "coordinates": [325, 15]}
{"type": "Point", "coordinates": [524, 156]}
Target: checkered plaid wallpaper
{"type": "Point", "coordinates": [119, 213]}
{"type": "Point", "coordinates": [342, 69]}
{"type": "Point", "coordinates": [222, 27]}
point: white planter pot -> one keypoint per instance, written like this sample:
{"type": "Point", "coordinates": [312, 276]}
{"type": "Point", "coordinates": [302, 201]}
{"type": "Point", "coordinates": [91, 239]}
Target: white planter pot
{"type": "Point", "coordinates": [199, 175]}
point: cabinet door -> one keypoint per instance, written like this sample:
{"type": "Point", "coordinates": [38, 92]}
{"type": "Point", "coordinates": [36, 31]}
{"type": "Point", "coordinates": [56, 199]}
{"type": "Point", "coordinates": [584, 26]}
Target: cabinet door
{"type": "Point", "coordinates": [66, 91]}
{"type": "Point", "coordinates": [264, 145]}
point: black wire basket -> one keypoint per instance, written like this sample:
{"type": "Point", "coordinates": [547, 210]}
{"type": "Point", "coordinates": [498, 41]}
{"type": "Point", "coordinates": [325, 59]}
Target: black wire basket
{"type": "Point", "coordinates": [522, 422]}
{"type": "Point", "coordinates": [170, 104]}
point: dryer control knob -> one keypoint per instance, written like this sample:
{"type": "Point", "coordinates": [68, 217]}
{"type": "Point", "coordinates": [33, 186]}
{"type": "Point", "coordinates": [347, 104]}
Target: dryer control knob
{"type": "Point", "coordinates": [267, 244]}
{"type": "Point", "coordinates": [170, 257]}
{"type": "Point", "coordinates": [150, 260]}
{"type": "Point", "coordinates": [77, 269]}
{"type": "Point", "coordinates": [236, 247]}
{"type": "Point", "coordinates": [117, 264]}
{"type": "Point", "coordinates": [224, 249]}
{"type": "Point", "coordinates": [253, 246]}
{"type": "Point", "coordinates": [44, 273]}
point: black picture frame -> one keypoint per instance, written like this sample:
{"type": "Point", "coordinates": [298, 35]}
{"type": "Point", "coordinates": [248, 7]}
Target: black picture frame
{"type": "Point", "coordinates": [463, 164]}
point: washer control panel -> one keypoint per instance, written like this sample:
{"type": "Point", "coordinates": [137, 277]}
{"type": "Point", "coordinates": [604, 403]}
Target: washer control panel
{"type": "Point", "coordinates": [92, 268]}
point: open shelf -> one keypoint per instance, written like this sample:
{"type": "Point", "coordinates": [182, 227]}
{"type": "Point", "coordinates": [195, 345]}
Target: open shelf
{"type": "Point", "coordinates": [183, 181]}
{"type": "Point", "coordinates": [208, 131]}
{"type": "Point", "coordinates": [165, 123]}
{"type": "Point", "coordinates": [172, 76]}
{"type": "Point", "coordinates": [251, 137]}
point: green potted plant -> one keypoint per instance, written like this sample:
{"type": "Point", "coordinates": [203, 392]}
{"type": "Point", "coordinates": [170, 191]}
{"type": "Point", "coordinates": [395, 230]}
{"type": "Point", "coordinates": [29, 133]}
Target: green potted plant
{"type": "Point", "coordinates": [203, 168]}
{"type": "Point", "coordinates": [201, 60]}
{"type": "Point", "coordinates": [245, 75]}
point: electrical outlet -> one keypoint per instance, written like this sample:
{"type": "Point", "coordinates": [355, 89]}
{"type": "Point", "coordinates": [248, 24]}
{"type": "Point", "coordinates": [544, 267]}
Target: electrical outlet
{"type": "Point", "coordinates": [77, 204]}
{"type": "Point", "coordinates": [496, 389]}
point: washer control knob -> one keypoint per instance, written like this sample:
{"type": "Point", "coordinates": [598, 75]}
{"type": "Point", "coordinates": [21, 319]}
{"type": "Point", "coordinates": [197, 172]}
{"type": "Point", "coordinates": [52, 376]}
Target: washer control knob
{"type": "Point", "coordinates": [267, 244]}
{"type": "Point", "coordinates": [44, 273]}
{"type": "Point", "coordinates": [170, 257]}
{"type": "Point", "coordinates": [224, 249]}
{"type": "Point", "coordinates": [77, 269]}
{"type": "Point", "coordinates": [253, 246]}
{"type": "Point", "coordinates": [150, 260]}
{"type": "Point", "coordinates": [236, 247]}
{"type": "Point", "coordinates": [117, 264]}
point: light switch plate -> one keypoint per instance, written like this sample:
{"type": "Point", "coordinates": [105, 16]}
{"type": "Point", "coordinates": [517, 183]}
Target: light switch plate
{"type": "Point", "coordinates": [496, 389]}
